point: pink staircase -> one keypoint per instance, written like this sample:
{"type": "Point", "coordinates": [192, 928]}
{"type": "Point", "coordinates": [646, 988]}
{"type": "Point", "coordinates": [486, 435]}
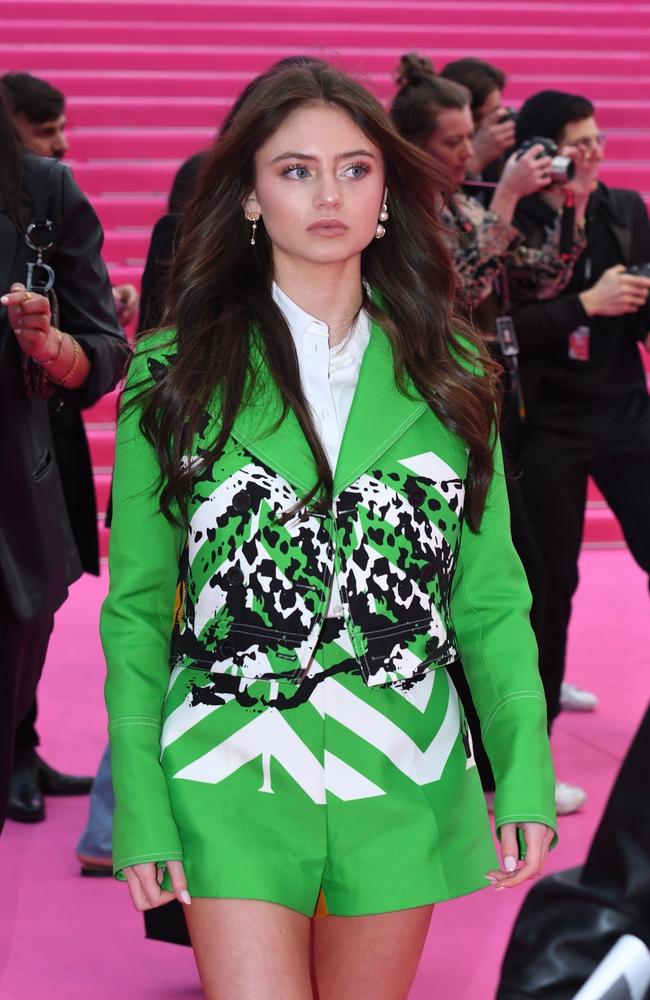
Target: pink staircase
{"type": "Point", "coordinates": [149, 81]}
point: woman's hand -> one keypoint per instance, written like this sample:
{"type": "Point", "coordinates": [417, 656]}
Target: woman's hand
{"type": "Point", "coordinates": [30, 319]}
{"type": "Point", "coordinates": [494, 135]}
{"type": "Point", "coordinates": [521, 175]}
{"type": "Point", "coordinates": [144, 885]}
{"type": "Point", "coordinates": [538, 839]}
{"type": "Point", "coordinates": [66, 363]}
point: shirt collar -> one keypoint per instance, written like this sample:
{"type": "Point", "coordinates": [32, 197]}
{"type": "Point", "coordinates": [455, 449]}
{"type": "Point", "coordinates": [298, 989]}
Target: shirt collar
{"type": "Point", "coordinates": [299, 322]}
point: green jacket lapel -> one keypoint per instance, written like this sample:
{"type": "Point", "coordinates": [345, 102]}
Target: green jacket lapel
{"type": "Point", "coordinates": [283, 447]}
{"type": "Point", "coordinates": [378, 417]}
{"type": "Point", "coordinates": [380, 414]}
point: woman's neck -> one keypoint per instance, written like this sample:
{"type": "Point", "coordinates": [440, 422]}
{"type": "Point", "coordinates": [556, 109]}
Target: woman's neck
{"type": "Point", "coordinates": [330, 292]}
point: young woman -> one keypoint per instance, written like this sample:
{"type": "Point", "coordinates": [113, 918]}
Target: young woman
{"type": "Point", "coordinates": [310, 525]}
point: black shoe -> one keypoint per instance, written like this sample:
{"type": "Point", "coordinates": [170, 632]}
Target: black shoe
{"type": "Point", "coordinates": [56, 783]}
{"type": "Point", "coordinates": [26, 802]}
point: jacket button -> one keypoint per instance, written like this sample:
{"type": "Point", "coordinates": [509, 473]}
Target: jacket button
{"type": "Point", "coordinates": [427, 573]}
{"type": "Point", "coordinates": [417, 497]}
{"type": "Point", "coordinates": [235, 576]}
{"type": "Point", "coordinates": [225, 648]}
{"type": "Point", "coordinates": [242, 501]}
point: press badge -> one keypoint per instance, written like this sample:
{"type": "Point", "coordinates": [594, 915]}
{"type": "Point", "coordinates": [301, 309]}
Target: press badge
{"type": "Point", "coordinates": [579, 344]}
{"type": "Point", "coordinates": [507, 337]}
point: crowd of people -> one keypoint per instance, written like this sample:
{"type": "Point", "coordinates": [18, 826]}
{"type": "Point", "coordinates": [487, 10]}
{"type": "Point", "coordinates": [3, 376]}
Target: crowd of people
{"type": "Point", "coordinates": [335, 306]}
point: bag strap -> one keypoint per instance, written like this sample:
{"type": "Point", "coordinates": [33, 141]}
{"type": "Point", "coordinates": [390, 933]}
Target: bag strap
{"type": "Point", "coordinates": [43, 183]}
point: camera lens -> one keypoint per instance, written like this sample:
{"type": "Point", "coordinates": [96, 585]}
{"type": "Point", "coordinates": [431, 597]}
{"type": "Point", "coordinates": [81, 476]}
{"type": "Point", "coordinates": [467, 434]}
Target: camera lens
{"type": "Point", "coordinates": [563, 169]}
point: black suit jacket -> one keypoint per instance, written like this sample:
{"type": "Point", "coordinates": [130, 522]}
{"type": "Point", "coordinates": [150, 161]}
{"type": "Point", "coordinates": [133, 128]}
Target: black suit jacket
{"type": "Point", "coordinates": [38, 553]}
{"type": "Point", "coordinates": [618, 232]}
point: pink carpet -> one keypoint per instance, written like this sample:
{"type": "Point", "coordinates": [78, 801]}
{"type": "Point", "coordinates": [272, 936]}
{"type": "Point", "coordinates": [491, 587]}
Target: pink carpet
{"type": "Point", "coordinates": [62, 936]}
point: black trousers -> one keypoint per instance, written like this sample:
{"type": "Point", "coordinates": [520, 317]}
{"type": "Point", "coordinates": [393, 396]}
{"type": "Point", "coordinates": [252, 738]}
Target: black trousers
{"type": "Point", "coordinates": [23, 647]}
{"type": "Point", "coordinates": [608, 439]}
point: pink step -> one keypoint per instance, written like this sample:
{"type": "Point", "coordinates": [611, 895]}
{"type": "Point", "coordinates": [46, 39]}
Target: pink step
{"type": "Point", "coordinates": [141, 211]}
{"type": "Point", "coordinates": [246, 57]}
{"type": "Point", "coordinates": [286, 32]}
{"type": "Point", "coordinates": [593, 493]}
{"type": "Point", "coordinates": [102, 448]}
{"type": "Point", "coordinates": [102, 482]}
{"type": "Point", "coordinates": [104, 410]}
{"type": "Point", "coordinates": [627, 175]}
{"type": "Point", "coordinates": [121, 275]}
{"type": "Point", "coordinates": [224, 84]}
{"type": "Point", "coordinates": [149, 112]}
{"type": "Point", "coordinates": [130, 143]}
{"type": "Point", "coordinates": [374, 11]}
{"type": "Point", "coordinates": [124, 246]}
{"type": "Point", "coordinates": [208, 112]}
{"type": "Point", "coordinates": [153, 177]}
{"type": "Point", "coordinates": [104, 535]}
{"type": "Point", "coordinates": [601, 528]}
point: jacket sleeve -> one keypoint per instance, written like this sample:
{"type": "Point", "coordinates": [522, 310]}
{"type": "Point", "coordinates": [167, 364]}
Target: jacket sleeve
{"type": "Point", "coordinates": [490, 610]}
{"type": "Point", "coordinates": [541, 325]}
{"type": "Point", "coordinates": [541, 272]}
{"type": "Point", "coordinates": [136, 624]}
{"type": "Point", "coordinates": [83, 290]}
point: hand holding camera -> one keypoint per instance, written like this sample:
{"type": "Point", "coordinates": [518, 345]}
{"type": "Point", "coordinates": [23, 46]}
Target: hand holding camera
{"type": "Point", "coordinates": [493, 137]}
{"type": "Point", "coordinates": [618, 292]}
{"type": "Point", "coordinates": [525, 173]}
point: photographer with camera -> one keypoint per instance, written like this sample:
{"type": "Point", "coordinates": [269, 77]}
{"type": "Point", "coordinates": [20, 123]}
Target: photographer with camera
{"type": "Point", "coordinates": [587, 406]}
{"type": "Point", "coordinates": [497, 269]}
{"type": "Point", "coordinates": [494, 124]}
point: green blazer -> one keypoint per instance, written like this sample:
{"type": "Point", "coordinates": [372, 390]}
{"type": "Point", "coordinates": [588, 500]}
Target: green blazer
{"type": "Point", "coordinates": [244, 594]}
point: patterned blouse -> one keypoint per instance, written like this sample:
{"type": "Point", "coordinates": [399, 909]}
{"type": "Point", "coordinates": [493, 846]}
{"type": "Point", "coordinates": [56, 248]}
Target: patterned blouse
{"type": "Point", "coordinates": [485, 246]}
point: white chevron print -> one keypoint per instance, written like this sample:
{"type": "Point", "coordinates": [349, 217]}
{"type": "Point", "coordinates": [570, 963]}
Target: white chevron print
{"type": "Point", "coordinates": [269, 736]}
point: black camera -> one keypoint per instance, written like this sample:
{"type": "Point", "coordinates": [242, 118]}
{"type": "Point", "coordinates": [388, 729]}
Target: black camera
{"type": "Point", "coordinates": [563, 168]}
{"type": "Point", "coordinates": [507, 115]}
{"type": "Point", "coordinates": [639, 270]}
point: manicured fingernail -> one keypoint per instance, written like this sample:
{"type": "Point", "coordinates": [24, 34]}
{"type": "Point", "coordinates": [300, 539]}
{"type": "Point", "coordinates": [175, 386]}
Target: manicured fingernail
{"type": "Point", "coordinates": [491, 878]}
{"type": "Point", "coordinates": [4, 299]}
{"type": "Point", "coordinates": [500, 888]}
{"type": "Point", "coordinates": [185, 897]}
{"type": "Point", "coordinates": [509, 863]}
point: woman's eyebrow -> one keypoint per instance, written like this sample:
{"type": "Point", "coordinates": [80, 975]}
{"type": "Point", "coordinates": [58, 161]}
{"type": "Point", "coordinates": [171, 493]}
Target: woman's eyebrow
{"type": "Point", "coordinates": [310, 156]}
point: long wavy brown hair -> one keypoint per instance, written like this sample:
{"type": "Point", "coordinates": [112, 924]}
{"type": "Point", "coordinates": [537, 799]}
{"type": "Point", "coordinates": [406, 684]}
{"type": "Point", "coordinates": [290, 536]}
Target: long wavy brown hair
{"type": "Point", "coordinates": [220, 291]}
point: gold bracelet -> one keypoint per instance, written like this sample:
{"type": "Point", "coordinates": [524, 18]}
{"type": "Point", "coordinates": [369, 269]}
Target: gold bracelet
{"type": "Point", "coordinates": [76, 351]}
{"type": "Point", "coordinates": [46, 364]}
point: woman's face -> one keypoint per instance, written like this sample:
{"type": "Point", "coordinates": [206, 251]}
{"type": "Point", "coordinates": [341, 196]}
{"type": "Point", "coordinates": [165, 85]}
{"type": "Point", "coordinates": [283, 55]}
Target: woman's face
{"type": "Point", "coordinates": [319, 186]}
{"type": "Point", "coordinates": [451, 143]}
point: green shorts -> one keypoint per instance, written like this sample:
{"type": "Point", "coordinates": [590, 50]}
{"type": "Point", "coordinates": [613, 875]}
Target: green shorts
{"type": "Point", "coordinates": [281, 790]}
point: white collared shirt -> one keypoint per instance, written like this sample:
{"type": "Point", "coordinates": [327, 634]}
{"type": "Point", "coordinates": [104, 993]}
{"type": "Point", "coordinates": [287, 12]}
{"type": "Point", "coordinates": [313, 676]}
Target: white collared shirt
{"type": "Point", "coordinates": [329, 377]}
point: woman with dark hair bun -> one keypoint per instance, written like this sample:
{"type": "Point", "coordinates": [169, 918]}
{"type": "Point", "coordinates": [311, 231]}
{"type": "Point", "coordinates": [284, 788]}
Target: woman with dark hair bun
{"type": "Point", "coordinates": [310, 526]}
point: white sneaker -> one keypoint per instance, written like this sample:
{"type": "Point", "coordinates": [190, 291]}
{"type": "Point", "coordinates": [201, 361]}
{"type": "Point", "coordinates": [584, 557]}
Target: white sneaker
{"type": "Point", "coordinates": [568, 798]}
{"type": "Point", "coordinates": [576, 699]}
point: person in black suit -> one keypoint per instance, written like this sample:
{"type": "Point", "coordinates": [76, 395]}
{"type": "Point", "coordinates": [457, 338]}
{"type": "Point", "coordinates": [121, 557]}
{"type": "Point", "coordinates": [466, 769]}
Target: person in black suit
{"type": "Point", "coordinates": [587, 405]}
{"type": "Point", "coordinates": [38, 112]}
{"type": "Point", "coordinates": [73, 362]}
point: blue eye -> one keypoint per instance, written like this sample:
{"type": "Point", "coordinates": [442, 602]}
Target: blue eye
{"type": "Point", "coordinates": [357, 170]}
{"type": "Point", "coordinates": [298, 170]}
